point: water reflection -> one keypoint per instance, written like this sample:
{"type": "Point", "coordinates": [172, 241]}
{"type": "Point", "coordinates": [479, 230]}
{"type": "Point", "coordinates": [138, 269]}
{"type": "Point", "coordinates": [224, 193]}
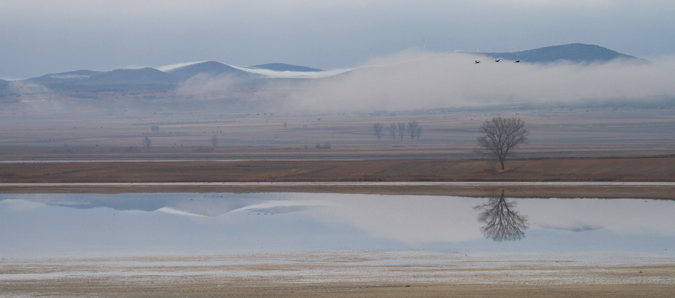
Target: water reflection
{"type": "Point", "coordinates": [129, 224]}
{"type": "Point", "coordinates": [502, 221]}
{"type": "Point", "coordinates": [204, 205]}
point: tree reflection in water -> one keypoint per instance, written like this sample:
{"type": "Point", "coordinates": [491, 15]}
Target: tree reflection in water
{"type": "Point", "coordinates": [502, 222]}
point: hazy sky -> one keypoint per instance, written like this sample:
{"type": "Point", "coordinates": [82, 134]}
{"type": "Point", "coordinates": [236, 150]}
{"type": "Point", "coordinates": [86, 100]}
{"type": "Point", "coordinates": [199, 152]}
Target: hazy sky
{"type": "Point", "coordinates": [46, 36]}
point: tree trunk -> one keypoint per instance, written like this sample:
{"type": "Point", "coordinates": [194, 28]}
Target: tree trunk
{"type": "Point", "coordinates": [502, 162]}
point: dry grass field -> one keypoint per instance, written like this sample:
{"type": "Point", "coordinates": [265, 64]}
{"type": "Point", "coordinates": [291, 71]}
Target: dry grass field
{"type": "Point", "coordinates": [565, 144]}
{"type": "Point", "coordinates": [118, 134]}
{"type": "Point", "coordinates": [213, 288]}
{"type": "Point", "coordinates": [635, 169]}
{"type": "Point", "coordinates": [560, 169]}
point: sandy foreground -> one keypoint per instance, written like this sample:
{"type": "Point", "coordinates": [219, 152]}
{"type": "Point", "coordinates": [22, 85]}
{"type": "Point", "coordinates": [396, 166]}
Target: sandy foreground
{"type": "Point", "coordinates": [346, 274]}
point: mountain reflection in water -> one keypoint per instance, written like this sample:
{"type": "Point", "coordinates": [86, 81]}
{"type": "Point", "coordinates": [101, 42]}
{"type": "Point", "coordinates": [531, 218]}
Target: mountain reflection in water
{"type": "Point", "coordinates": [502, 221]}
{"type": "Point", "coordinates": [205, 205]}
{"type": "Point", "coordinates": [166, 223]}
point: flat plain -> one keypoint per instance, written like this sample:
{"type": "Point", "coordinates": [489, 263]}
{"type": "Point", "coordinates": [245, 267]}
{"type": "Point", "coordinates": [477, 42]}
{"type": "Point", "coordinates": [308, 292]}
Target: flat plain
{"type": "Point", "coordinates": [595, 144]}
{"type": "Point", "coordinates": [73, 176]}
{"type": "Point", "coordinates": [447, 134]}
{"type": "Point", "coordinates": [565, 144]}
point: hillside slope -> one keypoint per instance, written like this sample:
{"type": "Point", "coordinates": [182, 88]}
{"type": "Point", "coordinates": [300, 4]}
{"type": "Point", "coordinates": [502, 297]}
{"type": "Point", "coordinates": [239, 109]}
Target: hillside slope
{"type": "Point", "coordinates": [211, 68]}
{"type": "Point", "coordinates": [576, 52]}
{"type": "Point", "coordinates": [286, 67]}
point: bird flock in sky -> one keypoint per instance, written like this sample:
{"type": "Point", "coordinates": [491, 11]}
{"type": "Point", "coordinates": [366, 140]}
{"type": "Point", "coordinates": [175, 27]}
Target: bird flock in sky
{"type": "Point", "coordinates": [496, 60]}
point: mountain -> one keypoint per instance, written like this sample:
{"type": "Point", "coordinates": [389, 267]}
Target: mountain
{"type": "Point", "coordinates": [285, 67]}
{"type": "Point", "coordinates": [211, 206]}
{"type": "Point", "coordinates": [575, 52]}
{"type": "Point", "coordinates": [211, 68]}
{"type": "Point", "coordinates": [6, 95]}
{"type": "Point", "coordinates": [143, 76]}
{"type": "Point", "coordinates": [71, 77]}
{"type": "Point", "coordinates": [4, 88]}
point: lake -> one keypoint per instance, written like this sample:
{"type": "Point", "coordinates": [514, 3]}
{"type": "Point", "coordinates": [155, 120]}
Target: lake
{"type": "Point", "coordinates": [326, 245]}
{"type": "Point", "coordinates": [167, 224]}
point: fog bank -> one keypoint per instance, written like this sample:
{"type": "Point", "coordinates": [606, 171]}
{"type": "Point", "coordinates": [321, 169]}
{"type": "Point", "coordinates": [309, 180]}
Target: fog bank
{"type": "Point", "coordinates": [414, 80]}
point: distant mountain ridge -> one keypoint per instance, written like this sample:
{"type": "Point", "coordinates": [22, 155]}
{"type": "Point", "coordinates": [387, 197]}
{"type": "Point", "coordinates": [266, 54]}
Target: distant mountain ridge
{"type": "Point", "coordinates": [143, 76]}
{"type": "Point", "coordinates": [286, 67]}
{"type": "Point", "coordinates": [575, 52]}
{"type": "Point", "coordinates": [211, 68]}
{"type": "Point", "coordinates": [77, 76]}
{"type": "Point", "coordinates": [152, 76]}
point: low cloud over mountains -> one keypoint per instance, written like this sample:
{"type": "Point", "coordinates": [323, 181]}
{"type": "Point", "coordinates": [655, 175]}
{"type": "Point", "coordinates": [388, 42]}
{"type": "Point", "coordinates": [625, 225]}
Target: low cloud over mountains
{"type": "Point", "coordinates": [409, 80]}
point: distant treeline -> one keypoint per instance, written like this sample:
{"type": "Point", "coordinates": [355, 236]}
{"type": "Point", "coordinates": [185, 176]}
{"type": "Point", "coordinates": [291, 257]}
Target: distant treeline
{"type": "Point", "coordinates": [182, 123]}
{"type": "Point", "coordinates": [647, 103]}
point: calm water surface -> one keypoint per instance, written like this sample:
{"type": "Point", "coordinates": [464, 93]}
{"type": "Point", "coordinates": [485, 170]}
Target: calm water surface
{"type": "Point", "coordinates": [95, 225]}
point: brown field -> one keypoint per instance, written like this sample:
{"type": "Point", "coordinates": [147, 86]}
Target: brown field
{"type": "Point", "coordinates": [636, 169]}
{"type": "Point", "coordinates": [559, 169]}
{"type": "Point", "coordinates": [566, 144]}
{"type": "Point", "coordinates": [213, 288]}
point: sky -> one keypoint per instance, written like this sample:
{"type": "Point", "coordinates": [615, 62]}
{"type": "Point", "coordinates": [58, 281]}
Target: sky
{"type": "Point", "coordinates": [46, 36]}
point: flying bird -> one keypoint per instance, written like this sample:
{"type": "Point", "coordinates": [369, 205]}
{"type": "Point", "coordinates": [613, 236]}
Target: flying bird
{"type": "Point", "coordinates": [517, 61]}
{"type": "Point", "coordinates": [498, 60]}
{"type": "Point", "coordinates": [477, 61]}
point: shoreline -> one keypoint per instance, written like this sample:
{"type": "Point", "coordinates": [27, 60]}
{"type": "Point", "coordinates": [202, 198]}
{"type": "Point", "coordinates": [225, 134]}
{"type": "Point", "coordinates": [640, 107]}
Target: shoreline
{"type": "Point", "coordinates": [350, 273]}
{"type": "Point", "coordinates": [651, 177]}
{"type": "Point", "coordinates": [625, 190]}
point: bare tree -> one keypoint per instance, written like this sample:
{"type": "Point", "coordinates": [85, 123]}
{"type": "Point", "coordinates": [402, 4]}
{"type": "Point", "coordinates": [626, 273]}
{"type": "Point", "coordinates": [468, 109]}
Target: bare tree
{"type": "Point", "coordinates": [377, 130]}
{"type": "Point", "coordinates": [146, 143]}
{"type": "Point", "coordinates": [419, 132]}
{"type": "Point", "coordinates": [502, 221]}
{"type": "Point", "coordinates": [392, 131]}
{"type": "Point", "coordinates": [214, 141]}
{"type": "Point", "coordinates": [401, 130]}
{"type": "Point", "coordinates": [413, 128]}
{"type": "Point", "coordinates": [500, 136]}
